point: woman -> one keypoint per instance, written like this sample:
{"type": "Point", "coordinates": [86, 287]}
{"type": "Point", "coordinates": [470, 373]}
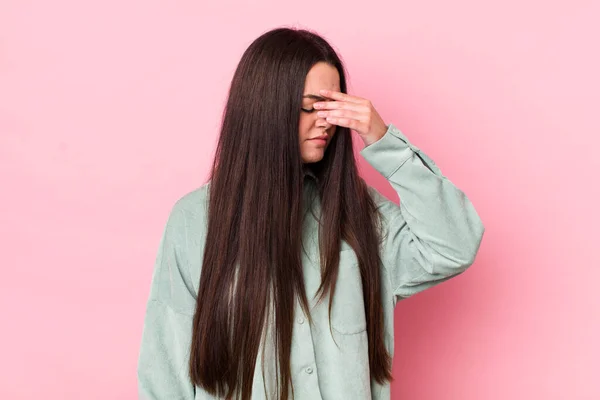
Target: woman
{"type": "Point", "coordinates": [279, 276]}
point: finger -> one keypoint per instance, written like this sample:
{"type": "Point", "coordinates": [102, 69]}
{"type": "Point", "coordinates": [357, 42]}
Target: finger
{"type": "Point", "coordinates": [332, 94]}
{"type": "Point", "coordinates": [338, 105]}
{"type": "Point", "coordinates": [343, 114]}
{"type": "Point", "coordinates": [345, 122]}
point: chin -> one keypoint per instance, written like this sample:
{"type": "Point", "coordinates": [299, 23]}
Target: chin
{"type": "Point", "coordinates": [312, 158]}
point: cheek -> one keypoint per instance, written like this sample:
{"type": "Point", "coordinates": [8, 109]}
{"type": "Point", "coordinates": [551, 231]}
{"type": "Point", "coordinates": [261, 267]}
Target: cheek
{"type": "Point", "coordinates": [304, 126]}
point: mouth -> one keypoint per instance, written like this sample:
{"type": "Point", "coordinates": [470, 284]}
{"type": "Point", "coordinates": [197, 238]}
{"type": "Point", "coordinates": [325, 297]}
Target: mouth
{"type": "Point", "coordinates": [320, 137]}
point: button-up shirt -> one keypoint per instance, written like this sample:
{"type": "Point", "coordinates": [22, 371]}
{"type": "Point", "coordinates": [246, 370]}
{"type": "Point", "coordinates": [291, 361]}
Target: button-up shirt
{"type": "Point", "coordinates": [432, 235]}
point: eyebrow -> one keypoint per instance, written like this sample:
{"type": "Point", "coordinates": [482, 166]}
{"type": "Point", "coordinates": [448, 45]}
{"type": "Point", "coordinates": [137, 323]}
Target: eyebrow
{"type": "Point", "coordinates": [314, 97]}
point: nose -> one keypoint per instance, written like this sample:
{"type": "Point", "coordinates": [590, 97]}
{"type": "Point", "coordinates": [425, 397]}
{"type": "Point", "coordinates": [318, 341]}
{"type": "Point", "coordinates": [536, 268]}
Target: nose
{"type": "Point", "coordinates": [322, 123]}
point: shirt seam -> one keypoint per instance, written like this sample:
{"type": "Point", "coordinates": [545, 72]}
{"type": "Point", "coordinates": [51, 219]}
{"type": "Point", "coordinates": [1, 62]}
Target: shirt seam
{"type": "Point", "coordinates": [186, 252]}
{"type": "Point", "coordinates": [171, 308]}
{"type": "Point", "coordinates": [400, 166]}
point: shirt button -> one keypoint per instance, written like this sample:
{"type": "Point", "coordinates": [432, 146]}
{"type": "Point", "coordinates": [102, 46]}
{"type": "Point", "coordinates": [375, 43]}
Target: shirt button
{"type": "Point", "coordinates": [309, 370]}
{"type": "Point", "coordinates": [300, 320]}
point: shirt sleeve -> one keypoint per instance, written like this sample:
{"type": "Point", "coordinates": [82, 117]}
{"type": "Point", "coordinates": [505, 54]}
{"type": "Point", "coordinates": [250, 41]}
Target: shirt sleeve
{"type": "Point", "coordinates": [162, 370]}
{"type": "Point", "coordinates": [435, 232]}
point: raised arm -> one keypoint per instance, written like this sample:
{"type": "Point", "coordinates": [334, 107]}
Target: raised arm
{"type": "Point", "coordinates": [435, 232]}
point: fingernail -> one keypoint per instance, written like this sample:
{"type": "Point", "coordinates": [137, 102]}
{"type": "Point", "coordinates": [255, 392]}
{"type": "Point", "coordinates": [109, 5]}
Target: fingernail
{"type": "Point", "coordinates": [322, 113]}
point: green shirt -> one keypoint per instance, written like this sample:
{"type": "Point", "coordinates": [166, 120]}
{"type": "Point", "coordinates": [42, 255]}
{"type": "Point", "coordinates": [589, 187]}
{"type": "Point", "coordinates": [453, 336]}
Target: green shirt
{"type": "Point", "coordinates": [433, 235]}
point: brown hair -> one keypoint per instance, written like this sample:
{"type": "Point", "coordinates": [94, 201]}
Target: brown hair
{"type": "Point", "coordinates": [253, 244]}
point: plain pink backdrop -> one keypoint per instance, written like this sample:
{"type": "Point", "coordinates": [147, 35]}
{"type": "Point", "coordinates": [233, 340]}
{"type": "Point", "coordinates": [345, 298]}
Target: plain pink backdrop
{"type": "Point", "coordinates": [109, 112]}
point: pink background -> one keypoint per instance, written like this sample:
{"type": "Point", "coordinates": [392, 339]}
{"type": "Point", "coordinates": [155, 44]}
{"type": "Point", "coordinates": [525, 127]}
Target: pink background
{"type": "Point", "coordinates": [109, 112]}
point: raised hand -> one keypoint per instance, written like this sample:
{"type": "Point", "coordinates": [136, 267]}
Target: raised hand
{"type": "Point", "coordinates": [352, 112]}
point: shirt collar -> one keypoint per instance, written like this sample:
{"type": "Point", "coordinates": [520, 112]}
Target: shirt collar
{"type": "Point", "coordinates": [308, 173]}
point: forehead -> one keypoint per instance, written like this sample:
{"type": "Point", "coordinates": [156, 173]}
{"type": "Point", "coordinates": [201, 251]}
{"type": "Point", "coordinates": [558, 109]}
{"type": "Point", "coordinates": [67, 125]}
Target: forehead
{"type": "Point", "coordinates": [322, 76]}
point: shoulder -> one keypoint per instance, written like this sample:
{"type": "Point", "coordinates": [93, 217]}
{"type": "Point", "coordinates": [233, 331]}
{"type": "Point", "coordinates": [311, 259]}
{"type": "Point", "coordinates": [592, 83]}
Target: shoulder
{"type": "Point", "coordinates": [189, 209]}
{"type": "Point", "coordinates": [193, 202]}
{"type": "Point", "coordinates": [188, 225]}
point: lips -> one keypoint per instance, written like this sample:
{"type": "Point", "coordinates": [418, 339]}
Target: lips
{"type": "Point", "coordinates": [321, 137]}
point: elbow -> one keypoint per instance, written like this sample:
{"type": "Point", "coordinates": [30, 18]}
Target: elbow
{"type": "Point", "coordinates": [471, 246]}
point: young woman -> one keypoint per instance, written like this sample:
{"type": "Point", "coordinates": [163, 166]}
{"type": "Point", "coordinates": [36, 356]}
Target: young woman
{"type": "Point", "coordinates": [278, 277]}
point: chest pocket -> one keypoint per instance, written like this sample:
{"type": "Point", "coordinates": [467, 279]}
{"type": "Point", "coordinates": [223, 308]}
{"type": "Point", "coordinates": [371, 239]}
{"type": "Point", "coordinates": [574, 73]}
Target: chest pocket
{"type": "Point", "coordinates": [348, 310]}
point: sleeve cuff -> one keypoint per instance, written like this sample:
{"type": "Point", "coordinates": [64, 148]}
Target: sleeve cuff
{"type": "Point", "coordinates": [389, 153]}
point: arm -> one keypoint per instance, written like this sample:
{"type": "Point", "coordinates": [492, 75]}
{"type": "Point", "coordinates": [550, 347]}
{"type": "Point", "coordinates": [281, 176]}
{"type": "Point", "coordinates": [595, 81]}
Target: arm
{"type": "Point", "coordinates": [162, 369]}
{"type": "Point", "coordinates": [435, 232]}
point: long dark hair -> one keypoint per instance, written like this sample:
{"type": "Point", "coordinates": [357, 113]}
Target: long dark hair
{"type": "Point", "coordinates": [252, 254]}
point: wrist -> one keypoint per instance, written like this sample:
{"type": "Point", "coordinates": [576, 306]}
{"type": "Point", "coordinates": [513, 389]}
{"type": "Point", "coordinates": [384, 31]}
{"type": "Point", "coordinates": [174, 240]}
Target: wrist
{"type": "Point", "coordinates": [374, 137]}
